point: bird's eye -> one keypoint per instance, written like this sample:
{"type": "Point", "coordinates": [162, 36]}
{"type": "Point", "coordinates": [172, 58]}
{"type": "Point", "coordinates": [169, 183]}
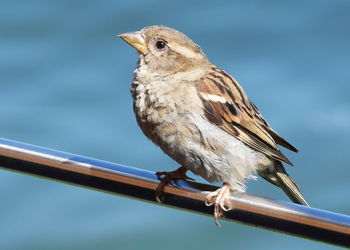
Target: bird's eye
{"type": "Point", "coordinates": [160, 44]}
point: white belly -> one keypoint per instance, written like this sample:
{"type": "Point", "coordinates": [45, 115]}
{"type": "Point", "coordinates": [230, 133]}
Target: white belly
{"type": "Point", "coordinates": [217, 156]}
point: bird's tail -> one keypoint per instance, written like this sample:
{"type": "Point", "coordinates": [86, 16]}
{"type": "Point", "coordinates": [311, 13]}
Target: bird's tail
{"type": "Point", "coordinates": [280, 178]}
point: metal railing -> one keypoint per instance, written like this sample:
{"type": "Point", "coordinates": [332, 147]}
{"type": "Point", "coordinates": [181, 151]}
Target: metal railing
{"type": "Point", "coordinates": [272, 214]}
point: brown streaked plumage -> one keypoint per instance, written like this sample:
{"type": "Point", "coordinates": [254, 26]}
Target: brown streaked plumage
{"type": "Point", "coordinates": [237, 115]}
{"type": "Point", "coordinates": [201, 117]}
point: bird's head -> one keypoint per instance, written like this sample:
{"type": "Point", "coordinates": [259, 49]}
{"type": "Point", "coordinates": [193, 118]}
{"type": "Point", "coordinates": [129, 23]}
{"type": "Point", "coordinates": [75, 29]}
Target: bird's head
{"type": "Point", "coordinates": [165, 50]}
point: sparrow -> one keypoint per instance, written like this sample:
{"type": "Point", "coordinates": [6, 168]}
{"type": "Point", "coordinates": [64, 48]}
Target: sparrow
{"type": "Point", "coordinates": [200, 116]}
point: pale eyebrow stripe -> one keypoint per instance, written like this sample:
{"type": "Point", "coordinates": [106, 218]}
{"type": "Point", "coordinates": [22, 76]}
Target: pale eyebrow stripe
{"type": "Point", "coordinates": [187, 52]}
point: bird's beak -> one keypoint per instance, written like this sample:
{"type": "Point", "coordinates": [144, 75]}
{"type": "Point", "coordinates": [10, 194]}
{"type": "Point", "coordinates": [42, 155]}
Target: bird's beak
{"type": "Point", "coordinates": [135, 40]}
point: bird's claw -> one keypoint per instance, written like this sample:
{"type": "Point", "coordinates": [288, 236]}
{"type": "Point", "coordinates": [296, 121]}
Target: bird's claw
{"type": "Point", "coordinates": [174, 176]}
{"type": "Point", "coordinates": [166, 177]}
{"type": "Point", "coordinates": [220, 197]}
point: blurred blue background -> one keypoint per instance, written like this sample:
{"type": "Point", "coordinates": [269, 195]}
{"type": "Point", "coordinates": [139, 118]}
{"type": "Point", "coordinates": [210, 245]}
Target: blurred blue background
{"type": "Point", "coordinates": [65, 79]}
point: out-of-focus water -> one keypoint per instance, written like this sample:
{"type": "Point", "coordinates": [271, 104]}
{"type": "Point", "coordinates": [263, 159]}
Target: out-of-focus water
{"type": "Point", "coordinates": [65, 78]}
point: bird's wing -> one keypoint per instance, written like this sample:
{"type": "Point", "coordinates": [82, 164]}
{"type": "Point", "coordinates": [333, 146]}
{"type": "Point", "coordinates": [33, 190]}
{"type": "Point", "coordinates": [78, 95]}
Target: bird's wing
{"type": "Point", "coordinates": [227, 106]}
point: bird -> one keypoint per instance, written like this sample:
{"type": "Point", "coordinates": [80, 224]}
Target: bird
{"type": "Point", "coordinates": [201, 117]}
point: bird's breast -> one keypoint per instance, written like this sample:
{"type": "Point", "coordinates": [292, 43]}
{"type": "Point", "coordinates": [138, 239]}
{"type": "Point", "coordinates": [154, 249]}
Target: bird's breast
{"type": "Point", "coordinates": [163, 111]}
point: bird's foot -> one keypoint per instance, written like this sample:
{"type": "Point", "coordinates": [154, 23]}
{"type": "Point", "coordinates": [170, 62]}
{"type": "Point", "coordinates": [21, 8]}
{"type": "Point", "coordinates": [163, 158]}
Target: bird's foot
{"type": "Point", "coordinates": [166, 177]}
{"type": "Point", "coordinates": [220, 197]}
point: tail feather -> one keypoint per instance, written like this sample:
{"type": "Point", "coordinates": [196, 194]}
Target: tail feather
{"type": "Point", "coordinates": [280, 178]}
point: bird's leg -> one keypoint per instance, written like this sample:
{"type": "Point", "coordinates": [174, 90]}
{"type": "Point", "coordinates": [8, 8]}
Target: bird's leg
{"type": "Point", "coordinates": [220, 196]}
{"type": "Point", "coordinates": [166, 177]}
